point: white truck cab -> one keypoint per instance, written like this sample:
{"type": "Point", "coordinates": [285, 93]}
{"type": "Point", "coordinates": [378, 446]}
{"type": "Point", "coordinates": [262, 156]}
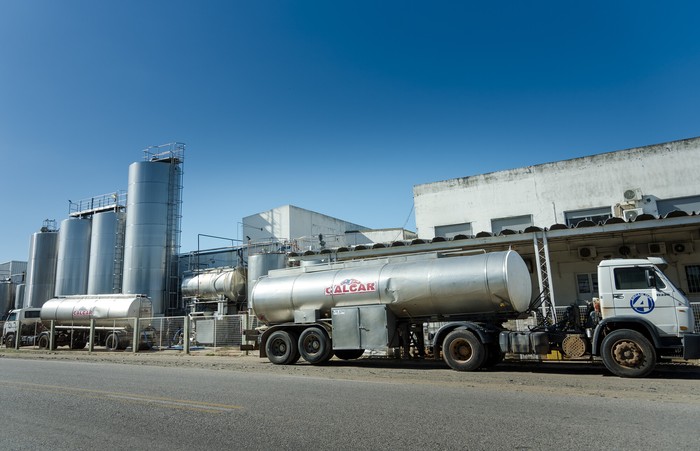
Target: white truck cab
{"type": "Point", "coordinates": [25, 316]}
{"type": "Point", "coordinates": [643, 316]}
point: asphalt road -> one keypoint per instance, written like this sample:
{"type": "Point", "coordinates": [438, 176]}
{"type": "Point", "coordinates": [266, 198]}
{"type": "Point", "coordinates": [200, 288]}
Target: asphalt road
{"type": "Point", "coordinates": [62, 405]}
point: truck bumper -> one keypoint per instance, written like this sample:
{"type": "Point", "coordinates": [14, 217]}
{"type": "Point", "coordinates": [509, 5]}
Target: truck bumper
{"type": "Point", "coordinates": [691, 346]}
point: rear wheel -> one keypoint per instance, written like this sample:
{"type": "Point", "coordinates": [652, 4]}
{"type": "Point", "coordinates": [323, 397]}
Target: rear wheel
{"type": "Point", "coordinates": [627, 353]}
{"type": "Point", "coordinates": [281, 348]}
{"type": "Point", "coordinates": [112, 342]}
{"type": "Point", "coordinates": [315, 346]}
{"type": "Point", "coordinates": [43, 342]}
{"type": "Point", "coordinates": [462, 351]}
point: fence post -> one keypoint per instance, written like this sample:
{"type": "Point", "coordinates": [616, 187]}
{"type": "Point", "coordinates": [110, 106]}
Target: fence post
{"type": "Point", "coordinates": [52, 335]}
{"type": "Point", "coordinates": [135, 340]}
{"type": "Point", "coordinates": [92, 336]}
{"type": "Point", "coordinates": [186, 335]}
{"type": "Point", "coordinates": [18, 334]}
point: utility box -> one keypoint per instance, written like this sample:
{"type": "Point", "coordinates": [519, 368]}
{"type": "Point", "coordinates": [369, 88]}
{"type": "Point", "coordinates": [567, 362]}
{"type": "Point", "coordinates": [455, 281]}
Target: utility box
{"type": "Point", "coordinates": [365, 327]}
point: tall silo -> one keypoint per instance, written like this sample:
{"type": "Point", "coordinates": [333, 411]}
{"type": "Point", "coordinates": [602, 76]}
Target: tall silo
{"type": "Point", "coordinates": [106, 252]}
{"type": "Point", "coordinates": [19, 295]}
{"type": "Point", "coordinates": [41, 268]}
{"type": "Point", "coordinates": [73, 257]}
{"type": "Point", "coordinates": [7, 297]}
{"type": "Point", "coordinates": [152, 234]}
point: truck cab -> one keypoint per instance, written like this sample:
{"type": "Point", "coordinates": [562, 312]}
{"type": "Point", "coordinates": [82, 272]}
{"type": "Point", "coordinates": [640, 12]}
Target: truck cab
{"type": "Point", "coordinates": [27, 317]}
{"type": "Point", "coordinates": [643, 317]}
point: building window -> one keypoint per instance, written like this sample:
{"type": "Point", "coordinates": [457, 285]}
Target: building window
{"type": "Point", "coordinates": [597, 215]}
{"type": "Point", "coordinates": [452, 230]}
{"type": "Point", "coordinates": [516, 223]}
{"type": "Point", "coordinates": [587, 285]}
{"type": "Point", "coordinates": [692, 274]}
{"type": "Point", "coordinates": [687, 204]}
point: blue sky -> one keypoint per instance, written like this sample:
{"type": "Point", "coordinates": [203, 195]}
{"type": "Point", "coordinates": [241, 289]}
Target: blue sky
{"type": "Point", "coordinates": [335, 106]}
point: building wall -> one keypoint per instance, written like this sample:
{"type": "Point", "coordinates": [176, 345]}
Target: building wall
{"type": "Point", "coordinates": [548, 191]}
{"type": "Point", "coordinates": [290, 223]}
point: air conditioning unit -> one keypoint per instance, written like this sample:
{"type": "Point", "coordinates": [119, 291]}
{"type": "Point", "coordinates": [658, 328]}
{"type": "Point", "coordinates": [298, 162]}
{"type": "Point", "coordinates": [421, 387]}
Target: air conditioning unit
{"type": "Point", "coordinates": [657, 248]}
{"type": "Point", "coordinates": [682, 248]}
{"type": "Point", "coordinates": [631, 215]}
{"type": "Point", "coordinates": [632, 195]}
{"type": "Point", "coordinates": [587, 252]}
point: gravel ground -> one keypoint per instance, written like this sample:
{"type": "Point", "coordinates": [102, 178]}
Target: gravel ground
{"type": "Point", "coordinates": [670, 383]}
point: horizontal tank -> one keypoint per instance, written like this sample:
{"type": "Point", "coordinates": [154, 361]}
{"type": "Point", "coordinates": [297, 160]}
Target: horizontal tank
{"type": "Point", "coordinates": [228, 282]}
{"type": "Point", "coordinates": [496, 283]}
{"type": "Point", "coordinates": [105, 309]}
{"type": "Point", "coordinates": [260, 264]}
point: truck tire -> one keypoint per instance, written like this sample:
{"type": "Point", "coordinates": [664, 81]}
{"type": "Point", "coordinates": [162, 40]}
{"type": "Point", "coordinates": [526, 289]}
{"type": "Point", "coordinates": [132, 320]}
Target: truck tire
{"type": "Point", "coordinates": [315, 346]}
{"type": "Point", "coordinates": [349, 354]}
{"type": "Point", "coordinates": [462, 351]}
{"type": "Point", "coordinates": [627, 353]}
{"type": "Point", "coordinates": [112, 342]}
{"type": "Point", "coordinates": [281, 348]}
{"type": "Point", "coordinates": [43, 342]}
{"type": "Point", "coordinates": [10, 341]}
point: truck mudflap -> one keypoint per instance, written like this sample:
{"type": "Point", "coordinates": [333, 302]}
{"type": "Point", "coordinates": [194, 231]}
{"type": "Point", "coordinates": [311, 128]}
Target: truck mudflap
{"type": "Point", "coordinates": [691, 346]}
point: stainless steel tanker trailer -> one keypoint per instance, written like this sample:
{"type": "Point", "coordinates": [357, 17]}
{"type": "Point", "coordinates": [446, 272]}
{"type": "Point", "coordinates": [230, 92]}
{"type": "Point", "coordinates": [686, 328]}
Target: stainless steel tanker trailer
{"type": "Point", "coordinates": [344, 309]}
{"type": "Point", "coordinates": [72, 318]}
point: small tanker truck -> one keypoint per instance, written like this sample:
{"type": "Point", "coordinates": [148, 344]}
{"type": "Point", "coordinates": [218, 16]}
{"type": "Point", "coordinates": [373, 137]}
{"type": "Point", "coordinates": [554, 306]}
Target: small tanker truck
{"type": "Point", "coordinates": [343, 309]}
{"type": "Point", "coordinates": [71, 315]}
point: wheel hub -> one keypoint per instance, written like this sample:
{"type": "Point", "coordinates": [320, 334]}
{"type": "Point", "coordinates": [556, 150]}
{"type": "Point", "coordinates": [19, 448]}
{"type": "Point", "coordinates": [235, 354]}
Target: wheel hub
{"type": "Point", "coordinates": [628, 353]}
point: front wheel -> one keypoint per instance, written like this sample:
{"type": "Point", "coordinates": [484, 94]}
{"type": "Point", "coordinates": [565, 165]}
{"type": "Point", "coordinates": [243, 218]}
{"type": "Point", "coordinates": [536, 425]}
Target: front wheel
{"type": "Point", "coordinates": [10, 341]}
{"type": "Point", "coordinates": [462, 351]}
{"type": "Point", "coordinates": [627, 353]}
{"type": "Point", "coordinates": [43, 342]}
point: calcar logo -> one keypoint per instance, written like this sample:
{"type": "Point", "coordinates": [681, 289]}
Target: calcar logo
{"type": "Point", "coordinates": [351, 286]}
{"type": "Point", "coordinates": [642, 303]}
{"type": "Point", "coordinates": [82, 312]}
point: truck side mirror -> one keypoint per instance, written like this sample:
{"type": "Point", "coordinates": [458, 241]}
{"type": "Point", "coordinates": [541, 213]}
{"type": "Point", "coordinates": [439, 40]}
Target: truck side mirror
{"type": "Point", "coordinates": [651, 279]}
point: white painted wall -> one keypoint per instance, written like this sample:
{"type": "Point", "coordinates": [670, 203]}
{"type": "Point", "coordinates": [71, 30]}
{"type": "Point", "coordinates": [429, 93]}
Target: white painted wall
{"type": "Point", "coordinates": [547, 191]}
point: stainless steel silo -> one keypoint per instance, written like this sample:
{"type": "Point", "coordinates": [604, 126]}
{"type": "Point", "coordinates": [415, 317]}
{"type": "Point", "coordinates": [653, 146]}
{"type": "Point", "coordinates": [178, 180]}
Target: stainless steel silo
{"type": "Point", "coordinates": [106, 252]}
{"type": "Point", "coordinates": [7, 297]}
{"type": "Point", "coordinates": [148, 240]}
{"type": "Point", "coordinates": [41, 269]}
{"type": "Point", "coordinates": [19, 295]}
{"type": "Point", "coordinates": [73, 257]}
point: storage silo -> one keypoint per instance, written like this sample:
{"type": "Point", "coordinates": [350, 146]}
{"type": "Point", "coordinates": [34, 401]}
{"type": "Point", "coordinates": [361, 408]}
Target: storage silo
{"type": "Point", "coordinates": [152, 233]}
{"type": "Point", "coordinates": [73, 257]}
{"type": "Point", "coordinates": [19, 295]}
{"type": "Point", "coordinates": [7, 297]}
{"type": "Point", "coordinates": [260, 264]}
{"type": "Point", "coordinates": [106, 253]}
{"type": "Point", "coordinates": [41, 268]}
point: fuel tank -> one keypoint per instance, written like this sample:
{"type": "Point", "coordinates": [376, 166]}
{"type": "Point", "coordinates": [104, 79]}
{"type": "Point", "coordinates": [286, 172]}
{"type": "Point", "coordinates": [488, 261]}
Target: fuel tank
{"type": "Point", "coordinates": [417, 286]}
{"type": "Point", "coordinates": [107, 310]}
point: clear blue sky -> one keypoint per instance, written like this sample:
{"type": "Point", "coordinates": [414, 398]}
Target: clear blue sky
{"type": "Point", "coordinates": [334, 106]}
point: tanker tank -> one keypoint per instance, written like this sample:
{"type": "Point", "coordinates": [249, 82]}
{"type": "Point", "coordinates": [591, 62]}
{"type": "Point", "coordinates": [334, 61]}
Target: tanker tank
{"type": "Point", "coordinates": [227, 282]}
{"type": "Point", "coordinates": [107, 310]}
{"type": "Point", "coordinates": [415, 287]}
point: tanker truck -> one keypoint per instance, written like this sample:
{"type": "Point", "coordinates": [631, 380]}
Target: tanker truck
{"type": "Point", "coordinates": [465, 301]}
{"type": "Point", "coordinates": [113, 316]}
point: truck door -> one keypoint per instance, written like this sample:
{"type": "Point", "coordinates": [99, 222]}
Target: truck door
{"type": "Point", "coordinates": [640, 291]}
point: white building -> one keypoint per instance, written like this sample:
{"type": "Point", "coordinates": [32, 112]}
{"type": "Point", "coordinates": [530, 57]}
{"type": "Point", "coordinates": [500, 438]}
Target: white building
{"type": "Point", "coordinates": [630, 203]}
{"type": "Point", "coordinates": [302, 229]}
{"type": "Point", "coordinates": [654, 179]}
